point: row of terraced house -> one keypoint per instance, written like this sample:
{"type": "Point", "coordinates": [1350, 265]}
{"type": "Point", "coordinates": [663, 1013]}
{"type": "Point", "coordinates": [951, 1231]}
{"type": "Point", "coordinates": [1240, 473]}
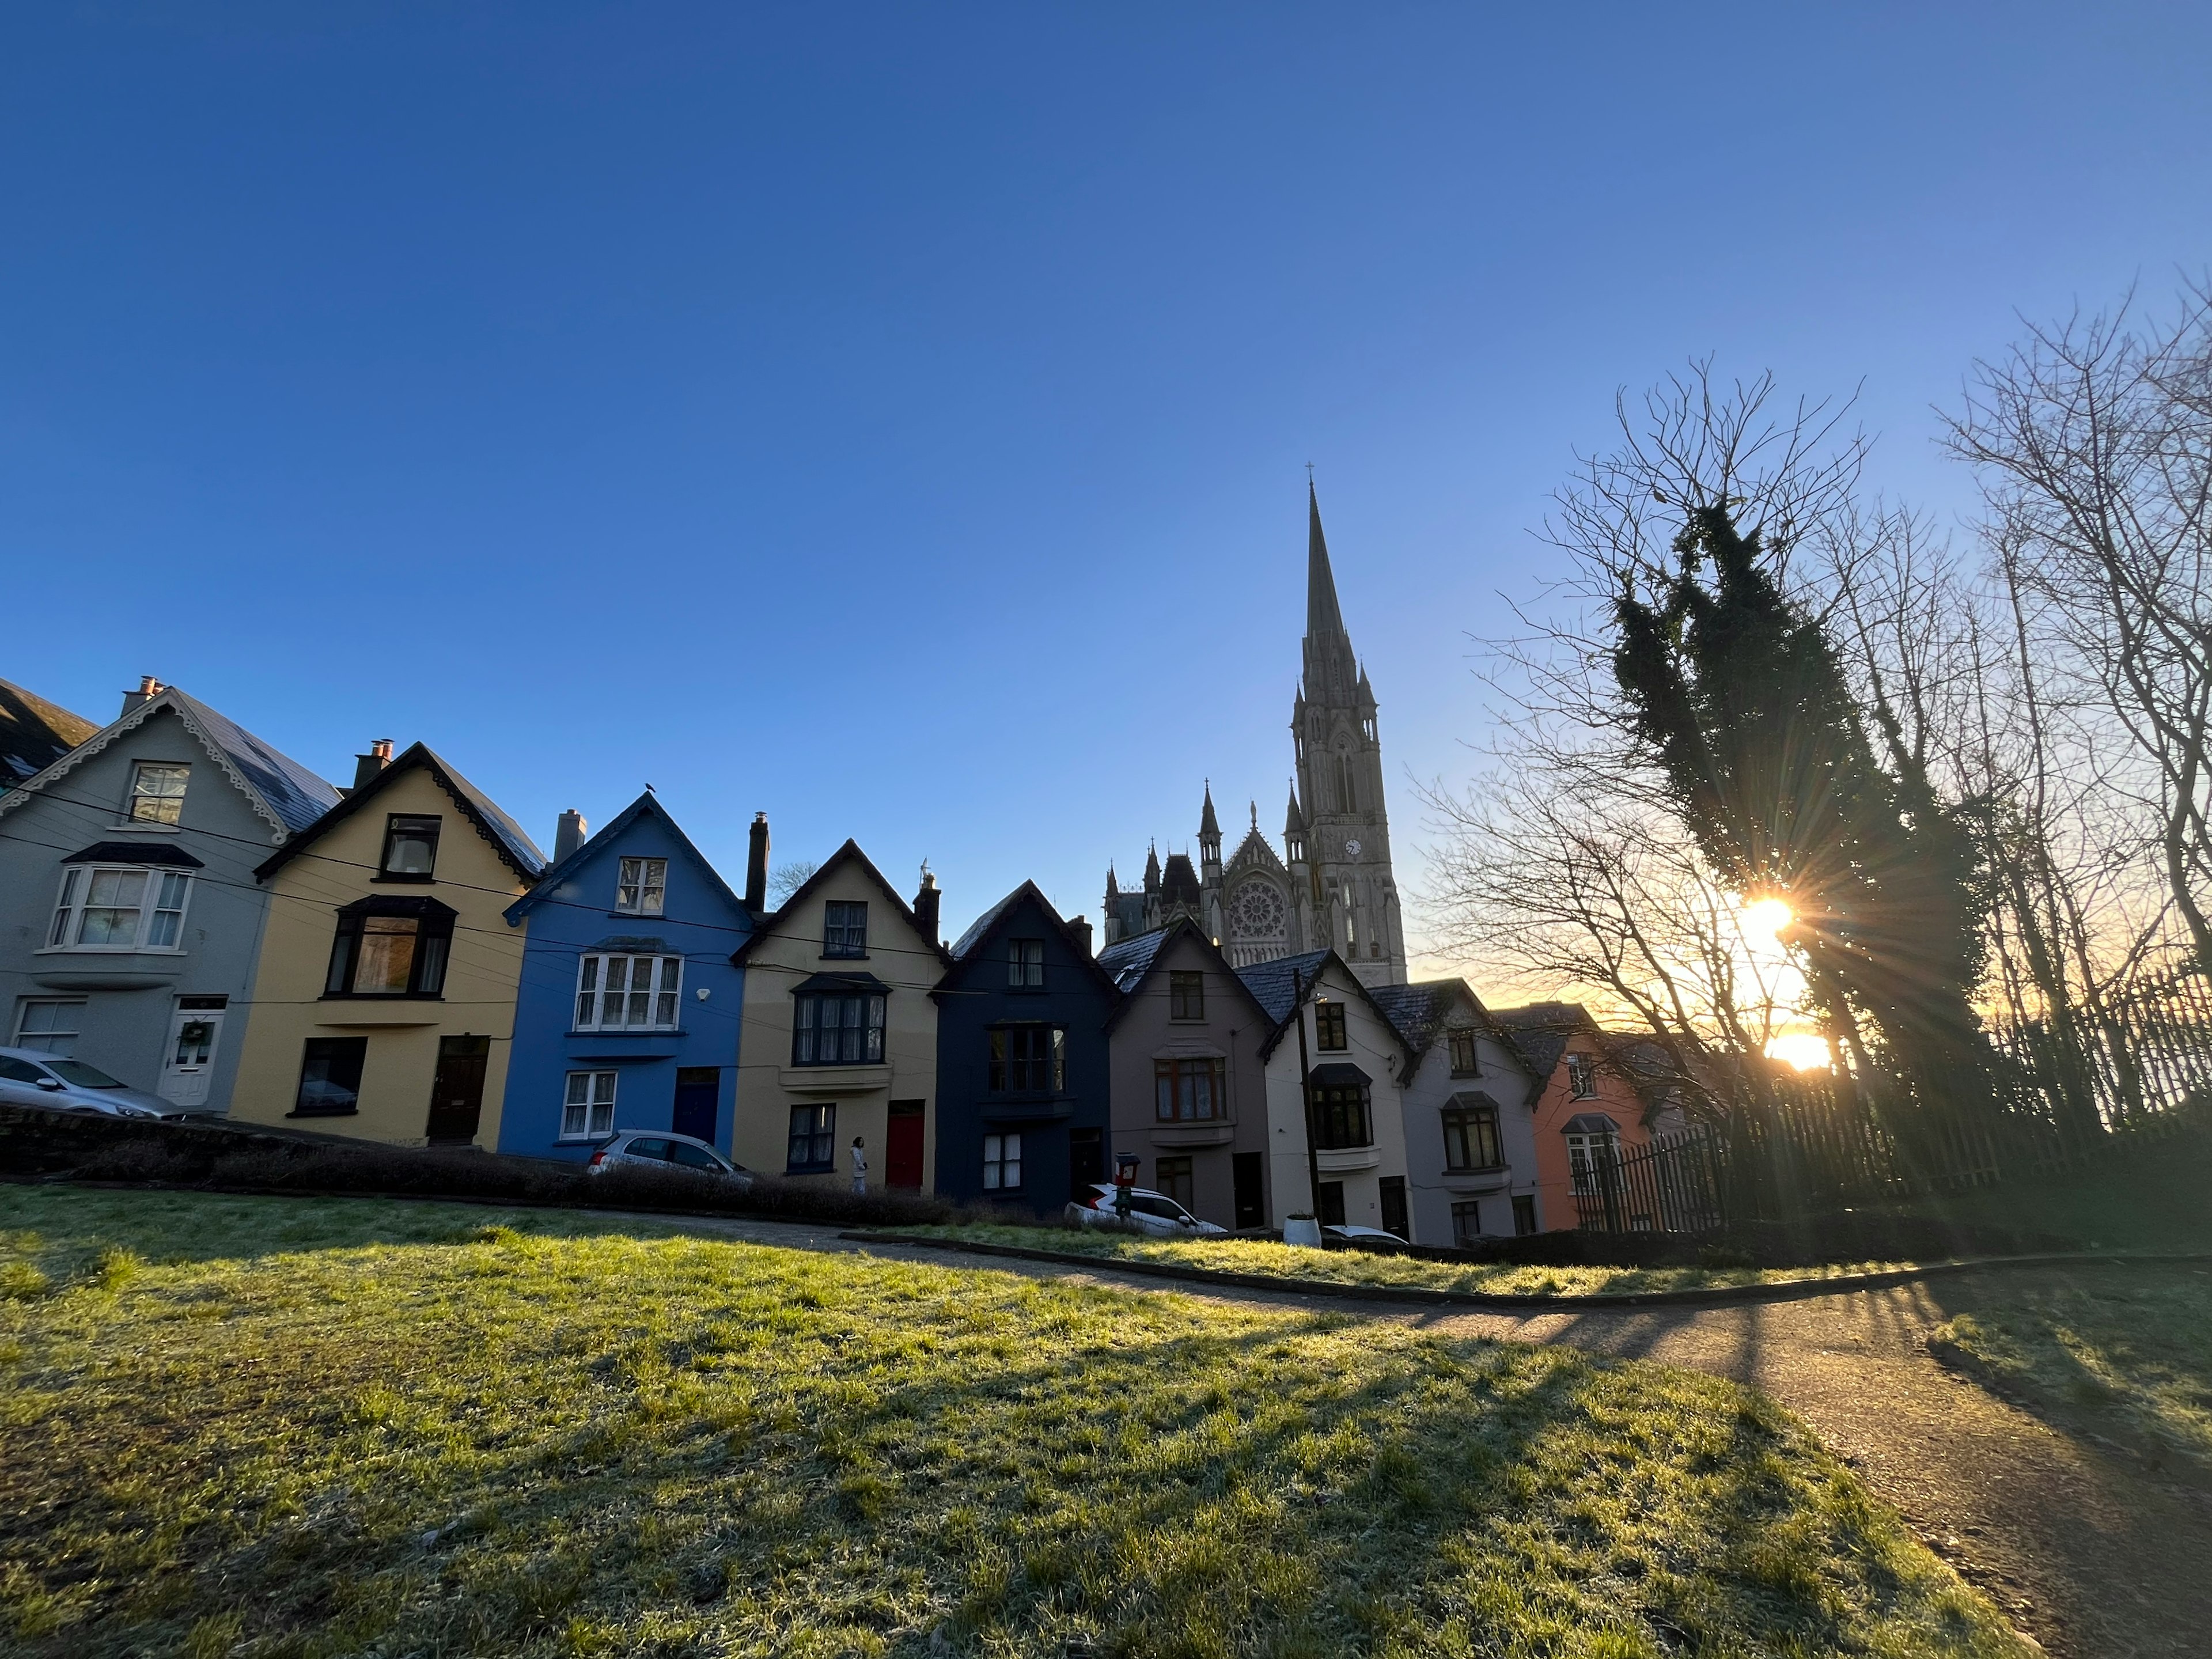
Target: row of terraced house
{"type": "Point", "coordinates": [201, 917]}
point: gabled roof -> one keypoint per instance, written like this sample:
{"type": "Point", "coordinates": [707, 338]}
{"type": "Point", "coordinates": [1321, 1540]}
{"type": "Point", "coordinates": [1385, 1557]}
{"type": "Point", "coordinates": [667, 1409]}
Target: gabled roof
{"type": "Point", "coordinates": [646, 805]}
{"type": "Point", "coordinates": [1131, 962]}
{"type": "Point", "coordinates": [514, 849]}
{"type": "Point", "coordinates": [1540, 1030]}
{"type": "Point", "coordinates": [1420, 1012]}
{"type": "Point", "coordinates": [281, 791]}
{"type": "Point", "coordinates": [1271, 984]}
{"type": "Point", "coordinates": [34, 733]}
{"type": "Point", "coordinates": [980, 930]}
{"type": "Point", "coordinates": [770, 924]}
{"type": "Point", "coordinates": [1254, 850]}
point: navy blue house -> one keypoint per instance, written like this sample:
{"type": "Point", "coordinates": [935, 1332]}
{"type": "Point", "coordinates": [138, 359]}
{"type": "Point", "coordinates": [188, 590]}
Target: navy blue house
{"type": "Point", "coordinates": [629, 1009]}
{"type": "Point", "coordinates": [1022, 1076]}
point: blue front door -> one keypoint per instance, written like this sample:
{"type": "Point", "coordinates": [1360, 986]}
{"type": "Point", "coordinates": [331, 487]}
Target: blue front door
{"type": "Point", "coordinates": [697, 1090]}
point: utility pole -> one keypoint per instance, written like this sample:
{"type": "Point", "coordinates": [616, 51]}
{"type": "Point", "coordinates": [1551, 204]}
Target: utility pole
{"type": "Point", "coordinates": [1305, 1091]}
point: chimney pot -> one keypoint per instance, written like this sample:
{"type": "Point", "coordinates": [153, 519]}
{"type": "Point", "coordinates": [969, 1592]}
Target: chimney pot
{"type": "Point", "coordinates": [149, 689]}
{"type": "Point", "coordinates": [366, 766]}
{"type": "Point", "coordinates": [757, 866]}
{"type": "Point", "coordinates": [569, 834]}
{"type": "Point", "coordinates": [925, 905]}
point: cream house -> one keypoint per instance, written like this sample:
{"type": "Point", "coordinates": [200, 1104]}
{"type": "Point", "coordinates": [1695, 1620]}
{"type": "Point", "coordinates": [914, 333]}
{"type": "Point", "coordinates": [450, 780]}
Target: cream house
{"type": "Point", "coordinates": [384, 1002]}
{"type": "Point", "coordinates": [839, 1034]}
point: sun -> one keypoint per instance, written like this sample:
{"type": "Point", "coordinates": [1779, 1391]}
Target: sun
{"type": "Point", "coordinates": [1803, 1051]}
{"type": "Point", "coordinates": [1767, 916]}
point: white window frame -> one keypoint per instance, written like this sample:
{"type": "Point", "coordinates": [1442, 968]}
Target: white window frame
{"type": "Point", "coordinates": [1002, 1164]}
{"type": "Point", "coordinates": [162, 904]}
{"type": "Point", "coordinates": [664, 997]}
{"type": "Point", "coordinates": [1584, 1152]}
{"type": "Point", "coordinates": [588, 1098]}
{"type": "Point", "coordinates": [642, 886]}
{"type": "Point", "coordinates": [25, 1036]}
{"type": "Point", "coordinates": [158, 801]}
{"type": "Point", "coordinates": [1582, 1077]}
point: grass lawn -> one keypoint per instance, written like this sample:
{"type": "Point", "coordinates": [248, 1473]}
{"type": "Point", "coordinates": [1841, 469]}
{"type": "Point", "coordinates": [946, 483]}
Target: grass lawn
{"type": "Point", "coordinates": [262, 1426]}
{"type": "Point", "coordinates": [1257, 1255]}
{"type": "Point", "coordinates": [2131, 1358]}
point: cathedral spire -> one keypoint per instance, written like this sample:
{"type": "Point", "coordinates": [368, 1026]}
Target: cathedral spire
{"type": "Point", "coordinates": [1324, 621]}
{"type": "Point", "coordinates": [1207, 824]}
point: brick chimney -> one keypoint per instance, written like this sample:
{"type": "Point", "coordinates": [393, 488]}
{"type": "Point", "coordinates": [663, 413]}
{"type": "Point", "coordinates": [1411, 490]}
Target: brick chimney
{"type": "Point", "coordinates": [757, 866]}
{"type": "Point", "coordinates": [149, 689]}
{"type": "Point", "coordinates": [569, 835]}
{"type": "Point", "coordinates": [1080, 926]}
{"type": "Point", "coordinates": [366, 766]}
{"type": "Point", "coordinates": [925, 905]}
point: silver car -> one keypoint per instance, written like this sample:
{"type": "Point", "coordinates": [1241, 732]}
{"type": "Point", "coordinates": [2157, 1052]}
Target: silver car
{"type": "Point", "coordinates": [658, 1149]}
{"type": "Point", "coordinates": [31, 1077]}
{"type": "Point", "coordinates": [1150, 1212]}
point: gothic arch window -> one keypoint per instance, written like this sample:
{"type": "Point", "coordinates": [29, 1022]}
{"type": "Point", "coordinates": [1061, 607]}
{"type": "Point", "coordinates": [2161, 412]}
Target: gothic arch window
{"type": "Point", "coordinates": [1348, 798]}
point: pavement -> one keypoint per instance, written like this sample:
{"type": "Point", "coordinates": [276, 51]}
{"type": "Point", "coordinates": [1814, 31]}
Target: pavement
{"type": "Point", "coordinates": [2088, 1552]}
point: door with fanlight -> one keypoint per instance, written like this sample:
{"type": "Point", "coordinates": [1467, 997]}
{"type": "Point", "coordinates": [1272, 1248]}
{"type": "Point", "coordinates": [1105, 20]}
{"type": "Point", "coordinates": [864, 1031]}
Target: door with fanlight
{"type": "Point", "coordinates": [188, 1063]}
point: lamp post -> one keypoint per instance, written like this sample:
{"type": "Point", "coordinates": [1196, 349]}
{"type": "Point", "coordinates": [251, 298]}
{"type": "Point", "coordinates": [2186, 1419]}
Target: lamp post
{"type": "Point", "coordinates": [1305, 1094]}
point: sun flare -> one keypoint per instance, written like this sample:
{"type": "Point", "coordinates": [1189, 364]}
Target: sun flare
{"type": "Point", "coordinates": [1803, 1051]}
{"type": "Point", "coordinates": [1767, 916]}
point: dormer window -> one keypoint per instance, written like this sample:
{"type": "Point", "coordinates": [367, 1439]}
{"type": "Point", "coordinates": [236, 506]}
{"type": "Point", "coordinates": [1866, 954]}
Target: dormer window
{"type": "Point", "coordinates": [1026, 963]}
{"type": "Point", "coordinates": [411, 848]}
{"type": "Point", "coordinates": [642, 886]}
{"type": "Point", "coordinates": [1466, 1058]}
{"type": "Point", "coordinates": [157, 792]}
{"type": "Point", "coordinates": [845, 927]}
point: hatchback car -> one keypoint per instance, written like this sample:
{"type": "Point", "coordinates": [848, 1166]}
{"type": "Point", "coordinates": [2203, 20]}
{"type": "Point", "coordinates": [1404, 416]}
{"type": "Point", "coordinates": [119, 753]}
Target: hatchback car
{"type": "Point", "coordinates": [1362, 1235]}
{"type": "Point", "coordinates": [1151, 1213]}
{"type": "Point", "coordinates": [31, 1077]}
{"type": "Point", "coordinates": [657, 1149]}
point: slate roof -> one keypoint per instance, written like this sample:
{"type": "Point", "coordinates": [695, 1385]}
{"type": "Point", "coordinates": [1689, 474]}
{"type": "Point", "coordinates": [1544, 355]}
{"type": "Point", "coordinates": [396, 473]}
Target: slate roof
{"type": "Point", "coordinates": [982, 925]}
{"type": "Point", "coordinates": [980, 929]}
{"type": "Point", "coordinates": [1540, 1030]}
{"type": "Point", "coordinates": [34, 733]}
{"type": "Point", "coordinates": [649, 802]}
{"type": "Point", "coordinates": [507, 836]}
{"type": "Point", "coordinates": [1417, 1010]}
{"type": "Point", "coordinates": [1128, 961]}
{"type": "Point", "coordinates": [285, 793]}
{"type": "Point", "coordinates": [1270, 983]}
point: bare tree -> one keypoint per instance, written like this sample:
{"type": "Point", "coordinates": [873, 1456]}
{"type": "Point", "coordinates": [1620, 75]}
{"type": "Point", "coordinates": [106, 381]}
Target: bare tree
{"type": "Point", "coordinates": [788, 879]}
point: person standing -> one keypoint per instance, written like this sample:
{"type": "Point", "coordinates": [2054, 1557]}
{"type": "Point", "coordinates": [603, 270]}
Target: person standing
{"type": "Point", "coordinates": [860, 1166]}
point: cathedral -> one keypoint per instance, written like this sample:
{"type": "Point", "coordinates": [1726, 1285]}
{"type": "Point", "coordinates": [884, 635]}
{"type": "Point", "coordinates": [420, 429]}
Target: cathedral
{"type": "Point", "coordinates": [1331, 885]}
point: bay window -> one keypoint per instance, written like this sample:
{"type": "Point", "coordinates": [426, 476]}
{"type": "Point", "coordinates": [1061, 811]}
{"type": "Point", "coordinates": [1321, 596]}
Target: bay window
{"type": "Point", "coordinates": [108, 908]}
{"type": "Point", "coordinates": [390, 947]}
{"type": "Point", "coordinates": [1339, 1116]}
{"type": "Point", "coordinates": [838, 1027]}
{"type": "Point", "coordinates": [1028, 1059]}
{"type": "Point", "coordinates": [626, 992]}
{"type": "Point", "coordinates": [1471, 1139]}
{"type": "Point", "coordinates": [1189, 1091]}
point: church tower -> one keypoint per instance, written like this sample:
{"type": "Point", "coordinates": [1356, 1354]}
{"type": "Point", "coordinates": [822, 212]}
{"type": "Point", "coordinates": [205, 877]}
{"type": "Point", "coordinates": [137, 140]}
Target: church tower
{"type": "Point", "coordinates": [1349, 897]}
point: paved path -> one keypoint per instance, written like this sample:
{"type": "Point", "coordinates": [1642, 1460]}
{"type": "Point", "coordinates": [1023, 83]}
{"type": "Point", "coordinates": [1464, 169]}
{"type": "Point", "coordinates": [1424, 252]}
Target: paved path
{"type": "Point", "coordinates": [2088, 1553]}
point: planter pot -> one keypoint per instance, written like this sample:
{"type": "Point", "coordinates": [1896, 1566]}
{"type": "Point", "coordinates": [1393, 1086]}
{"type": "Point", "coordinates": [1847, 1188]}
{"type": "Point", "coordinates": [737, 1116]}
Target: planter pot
{"type": "Point", "coordinates": [1302, 1229]}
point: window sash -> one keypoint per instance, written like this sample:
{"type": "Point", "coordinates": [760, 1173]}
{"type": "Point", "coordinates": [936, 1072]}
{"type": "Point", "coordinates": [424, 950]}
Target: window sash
{"type": "Point", "coordinates": [845, 927]}
{"type": "Point", "coordinates": [1190, 1090]}
{"type": "Point", "coordinates": [379, 955]}
{"type": "Point", "coordinates": [410, 845]}
{"type": "Point", "coordinates": [1585, 1154]}
{"type": "Point", "coordinates": [813, 1137]}
{"type": "Point", "coordinates": [1467, 1223]}
{"type": "Point", "coordinates": [1026, 963]}
{"type": "Point", "coordinates": [157, 792]}
{"type": "Point", "coordinates": [1002, 1163]}
{"type": "Point", "coordinates": [1582, 1077]}
{"type": "Point", "coordinates": [1028, 1059]}
{"type": "Point", "coordinates": [119, 907]}
{"type": "Point", "coordinates": [642, 886]}
{"type": "Point", "coordinates": [838, 1027]}
{"type": "Point", "coordinates": [1471, 1140]}
{"type": "Point", "coordinates": [50, 1024]}
{"type": "Point", "coordinates": [1329, 1026]}
{"type": "Point", "coordinates": [1466, 1057]}
{"type": "Point", "coordinates": [588, 1111]}
{"type": "Point", "coordinates": [1185, 995]}
{"type": "Point", "coordinates": [1341, 1117]}
{"type": "Point", "coordinates": [628, 993]}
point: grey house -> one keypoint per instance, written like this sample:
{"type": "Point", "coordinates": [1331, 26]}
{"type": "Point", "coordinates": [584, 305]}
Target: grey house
{"type": "Point", "coordinates": [129, 919]}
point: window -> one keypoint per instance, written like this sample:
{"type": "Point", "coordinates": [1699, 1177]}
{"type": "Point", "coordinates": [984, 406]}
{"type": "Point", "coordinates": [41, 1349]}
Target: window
{"type": "Point", "coordinates": [50, 1024]}
{"type": "Point", "coordinates": [1189, 1091]}
{"type": "Point", "coordinates": [411, 848]}
{"type": "Point", "coordinates": [588, 1110]}
{"type": "Point", "coordinates": [390, 947]}
{"type": "Point", "coordinates": [1028, 1059]}
{"type": "Point", "coordinates": [1466, 1058]}
{"type": "Point", "coordinates": [642, 886]}
{"type": "Point", "coordinates": [1524, 1213]}
{"type": "Point", "coordinates": [634, 993]}
{"type": "Point", "coordinates": [1595, 1162]}
{"type": "Point", "coordinates": [1172, 1177]}
{"type": "Point", "coordinates": [1185, 995]}
{"type": "Point", "coordinates": [1002, 1163]}
{"type": "Point", "coordinates": [1390, 1191]}
{"type": "Point", "coordinates": [839, 1028]}
{"type": "Point", "coordinates": [1347, 798]}
{"type": "Point", "coordinates": [845, 928]}
{"type": "Point", "coordinates": [1332, 1204]}
{"type": "Point", "coordinates": [1471, 1139]}
{"type": "Point", "coordinates": [1026, 963]}
{"type": "Point", "coordinates": [1340, 1115]}
{"type": "Point", "coordinates": [1329, 1026]}
{"type": "Point", "coordinates": [102, 909]}
{"type": "Point", "coordinates": [157, 793]}
{"type": "Point", "coordinates": [1466, 1223]}
{"type": "Point", "coordinates": [813, 1139]}
{"type": "Point", "coordinates": [1582, 1077]}
{"type": "Point", "coordinates": [329, 1077]}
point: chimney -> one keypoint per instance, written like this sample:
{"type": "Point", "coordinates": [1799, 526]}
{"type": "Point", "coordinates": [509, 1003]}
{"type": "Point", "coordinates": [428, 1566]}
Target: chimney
{"type": "Point", "coordinates": [366, 766]}
{"type": "Point", "coordinates": [757, 866]}
{"type": "Point", "coordinates": [569, 835]}
{"type": "Point", "coordinates": [925, 905]}
{"type": "Point", "coordinates": [149, 689]}
{"type": "Point", "coordinates": [1080, 926]}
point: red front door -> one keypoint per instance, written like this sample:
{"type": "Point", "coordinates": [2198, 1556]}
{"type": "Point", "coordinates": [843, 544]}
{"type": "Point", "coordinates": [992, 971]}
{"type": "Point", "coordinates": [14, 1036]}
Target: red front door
{"type": "Point", "coordinates": [902, 1157]}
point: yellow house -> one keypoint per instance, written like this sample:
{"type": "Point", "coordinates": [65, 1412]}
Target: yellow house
{"type": "Point", "coordinates": [383, 1003]}
{"type": "Point", "coordinates": [839, 1036]}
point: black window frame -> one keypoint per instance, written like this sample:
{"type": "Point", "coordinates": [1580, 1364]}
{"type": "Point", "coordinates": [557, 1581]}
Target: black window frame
{"type": "Point", "coordinates": [845, 929]}
{"type": "Point", "coordinates": [1176, 1176]}
{"type": "Point", "coordinates": [1468, 1132]}
{"type": "Point", "coordinates": [1025, 964]}
{"type": "Point", "coordinates": [867, 1035]}
{"type": "Point", "coordinates": [1186, 993]}
{"type": "Point", "coordinates": [1175, 1086]}
{"type": "Point", "coordinates": [1466, 1049]}
{"type": "Point", "coordinates": [1342, 1117]}
{"type": "Point", "coordinates": [1468, 1209]}
{"type": "Point", "coordinates": [351, 1055]}
{"type": "Point", "coordinates": [1524, 1214]}
{"type": "Point", "coordinates": [392, 832]}
{"type": "Point", "coordinates": [427, 967]}
{"type": "Point", "coordinates": [817, 1139]}
{"type": "Point", "coordinates": [1331, 1029]}
{"type": "Point", "coordinates": [1028, 1072]}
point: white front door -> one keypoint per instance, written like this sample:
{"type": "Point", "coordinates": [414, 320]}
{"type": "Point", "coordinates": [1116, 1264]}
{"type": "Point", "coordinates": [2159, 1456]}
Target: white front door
{"type": "Point", "coordinates": [189, 1068]}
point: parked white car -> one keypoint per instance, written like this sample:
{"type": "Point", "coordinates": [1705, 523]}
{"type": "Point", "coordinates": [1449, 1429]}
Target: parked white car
{"type": "Point", "coordinates": [1151, 1213]}
{"type": "Point", "coordinates": [658, 1149]}
{"type": "Point", "coordinates": [31, 1077]}
{"type": "Point", "coordinates": [1368, 1235]}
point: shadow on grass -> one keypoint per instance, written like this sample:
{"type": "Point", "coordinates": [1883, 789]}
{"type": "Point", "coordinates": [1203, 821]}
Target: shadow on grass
{"type": "Point", "coordinates": [538, 1443]}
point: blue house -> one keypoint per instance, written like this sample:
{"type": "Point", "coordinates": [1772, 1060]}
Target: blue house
{"type": "Point", "coordinates": [629, 1009]}
{"type": "Point", "coordinates": [1021, 1075]}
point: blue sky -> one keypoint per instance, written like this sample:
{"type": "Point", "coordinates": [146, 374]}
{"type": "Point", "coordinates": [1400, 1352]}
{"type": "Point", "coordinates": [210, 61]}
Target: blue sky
{"type": "Point", "coordinates": [895, 418]}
